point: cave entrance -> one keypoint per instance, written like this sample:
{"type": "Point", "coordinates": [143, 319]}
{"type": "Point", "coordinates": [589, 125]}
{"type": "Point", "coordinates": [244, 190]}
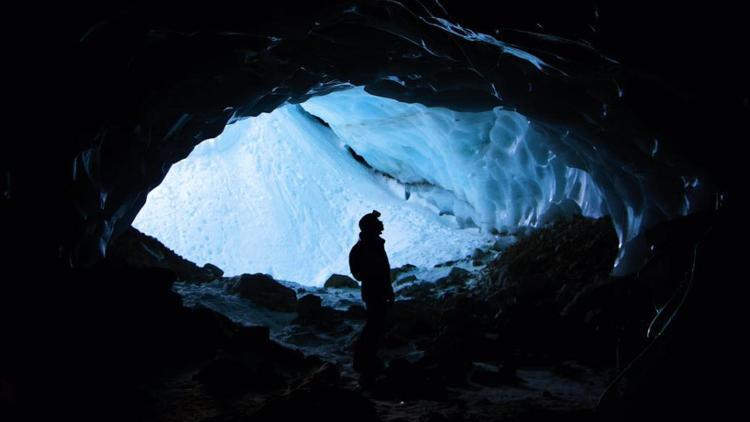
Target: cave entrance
{"type": "Point", "coordinates": [281, 193]}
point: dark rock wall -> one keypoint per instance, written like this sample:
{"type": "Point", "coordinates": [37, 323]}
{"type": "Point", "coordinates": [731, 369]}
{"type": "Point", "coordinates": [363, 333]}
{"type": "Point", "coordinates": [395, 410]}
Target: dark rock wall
{"type": "Point", "coordinates": [102, 99]}
{"type": "Point", "coordinates": [138, 87]}
{"type": "Point", "coordinates": [138, 250]}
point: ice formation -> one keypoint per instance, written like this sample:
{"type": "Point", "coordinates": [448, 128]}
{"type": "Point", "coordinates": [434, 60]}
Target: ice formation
{"type": "Point", "coordinates": [490, 169]}
{"type": "Point", "coordinates": [281, 193]}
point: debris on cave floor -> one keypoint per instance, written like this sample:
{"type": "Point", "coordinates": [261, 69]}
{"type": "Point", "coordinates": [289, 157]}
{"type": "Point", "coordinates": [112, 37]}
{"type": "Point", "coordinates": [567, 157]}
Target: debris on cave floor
{"type": "Point", "coordinates": [521, 332]}
{"type": "Point", "coordinates": [539, 392]}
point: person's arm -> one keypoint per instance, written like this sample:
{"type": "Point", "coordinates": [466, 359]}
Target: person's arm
{"type": "Point", "coordinates": [390, 296]}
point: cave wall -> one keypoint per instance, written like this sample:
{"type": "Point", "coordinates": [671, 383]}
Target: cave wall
{"type": "Point", "coordinates": [120, 92]}
{"type": "Point", "coordinates": [149, 83]}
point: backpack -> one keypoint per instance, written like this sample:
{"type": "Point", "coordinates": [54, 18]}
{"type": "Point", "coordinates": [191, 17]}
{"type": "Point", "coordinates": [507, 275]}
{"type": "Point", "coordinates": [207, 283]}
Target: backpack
{"type": "Point", "coordinates": [357, 261]}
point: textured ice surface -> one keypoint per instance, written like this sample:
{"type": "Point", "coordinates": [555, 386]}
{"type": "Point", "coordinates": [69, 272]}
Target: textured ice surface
{"type": "Point", "coordinates": [280, 194]}
{"type": "Point", "coordinates": [490, 169]}
{"type": "Point", "coordinates": [497, 169]}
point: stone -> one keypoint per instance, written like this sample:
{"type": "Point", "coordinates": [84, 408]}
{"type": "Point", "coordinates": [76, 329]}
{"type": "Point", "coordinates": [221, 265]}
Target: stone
{"type": "Point", "coordinates": [406, 280]}
{"type": "Point", "coordinates": [338, 281]}
{"type": "Point", "coordinates": [264, 291]}
{"type": "Point", "coordinates": [493, 376]}
{"type": "Point", "coordinates": [318, 397]}
{"type": "Point", "coordinates": [134, 249]}
{"type": "Point", "coordinates": [308, 304]}
{"type": "Point", "coordinates": [457, 276]}
{"type": "Point", "coordinates": [213, 270]}
{"type": "Point", "coordinates": [355, 312]}
{"type": "Point", "coordinates": [399, 271]}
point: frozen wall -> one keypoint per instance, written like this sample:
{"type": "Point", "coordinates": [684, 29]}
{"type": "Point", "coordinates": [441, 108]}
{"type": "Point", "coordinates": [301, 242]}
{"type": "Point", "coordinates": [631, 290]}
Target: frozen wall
{"type": "Point", "coordinates": [280, 194]}
{"type": "Point", "coordinates": [490, 169]}
{"type": "Point", "coordinates": [497, 169]}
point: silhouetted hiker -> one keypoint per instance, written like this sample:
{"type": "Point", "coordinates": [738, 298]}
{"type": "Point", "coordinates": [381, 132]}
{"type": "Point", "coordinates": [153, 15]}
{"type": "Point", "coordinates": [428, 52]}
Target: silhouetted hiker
{"type": "Point", "coordinates": [368, 263]}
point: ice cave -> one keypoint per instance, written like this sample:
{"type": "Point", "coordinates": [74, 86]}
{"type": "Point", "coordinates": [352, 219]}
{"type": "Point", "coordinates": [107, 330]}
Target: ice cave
{"type": "Point", "coordinates": [281, 193]}
{"type": "Point", "coordinates": [188, 227]}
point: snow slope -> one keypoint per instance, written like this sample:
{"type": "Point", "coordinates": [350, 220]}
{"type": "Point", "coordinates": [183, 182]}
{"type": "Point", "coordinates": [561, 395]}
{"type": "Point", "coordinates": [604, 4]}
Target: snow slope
{"type": "Point", "coordinates": [280, 194]}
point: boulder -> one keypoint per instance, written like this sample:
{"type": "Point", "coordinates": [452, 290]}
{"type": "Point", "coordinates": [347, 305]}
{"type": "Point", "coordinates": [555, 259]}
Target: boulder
{"type": "Point", "coordinates": [551, 265]}
{"type": "Point", "coordinates": [406, 280]}
{"type": "Point", "coordinates": [563, 210]}
{"type": "Point", "coordinates": [457, 276]}
{"type": "Point", "coordinates": [134, 249]}
{"type": "Point", "coordinates": [551, 289]}
{"type": "Point", "coordinates": [355, 312]}
{"type": "Point", "coordinates": [308, 304]}
{"type": "Point", "coordinates": [213, 270]}
{"type": "Point", "coordinates": [338, 281]}
{"type": "Point", "coordinates": [398, 272]}
{"type": "Point", "coordinates": [264, 291]}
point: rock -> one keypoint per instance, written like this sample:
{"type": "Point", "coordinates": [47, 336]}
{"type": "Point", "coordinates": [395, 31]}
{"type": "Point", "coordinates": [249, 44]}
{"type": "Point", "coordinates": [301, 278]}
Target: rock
{"type": "Point", "coordinates": [493, 376]}
{"type": "Point", "coordinates": [137, 250]}
{"type": "Point", "coordinates": [551, 288]}
{"type": "Point", "coordinates": [481, 256]}
{"type": "Point", "coordinates": [308, 305]}
{"type": "Point", "coordinates": [410, 319]}
{"type": "Point", "coordinates": [564, 210]}
{"type": "Point", "coordinates": [457, 276]}
{"type": "Point", "coordinates": [448, 354]}
{"type": "Point", "coordinates": [225, 376]}
{"type": "Point", "coordinates": [421, 290]}
{"type": "Point", "coordinates": [338, 281]}
{"type": "Point", "coordinates": [503, 242]}
{"type": "Point", "coordinates": [571, 370]}
{"type": "Point", "coordinates": [445, 264]}
{"type": "Point", "coordinates": [264, 291]}
{"type": "Point", "coordinates": [397, 272]}
{"type": "Point", "coordinates": [213, 270]}
{"type": "Point", "coordinates": [255, 338]}
{"type": "Point", "coordinates": [404, 380]}
{"type": "Point", "coordinates": [554, 263]}
{"type": "Point", "coordinates": [355, 312]}
{"type": "Point", "coordinates": [319, 397]}
{"type": "Point", "coordinates": [406, 280]}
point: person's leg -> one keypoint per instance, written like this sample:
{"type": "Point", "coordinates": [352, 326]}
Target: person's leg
{"type": "Point", "coordinates": [361, 348]}
{"type": "Point", "coordinates": [366, 346]}
{"type": "Point", "coordinates": [378, 324]}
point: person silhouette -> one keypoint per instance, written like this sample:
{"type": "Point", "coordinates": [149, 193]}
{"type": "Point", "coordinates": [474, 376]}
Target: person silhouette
{"type": "Point", "coordinates": [369, 264]}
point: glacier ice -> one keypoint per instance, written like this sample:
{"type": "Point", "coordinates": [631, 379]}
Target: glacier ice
{"type": "Point", "coordinates": [280, 194]}
{"type": "Point", "coordinates": [490, 169]}
{"type": "Point", "coordinates": [497, 169]}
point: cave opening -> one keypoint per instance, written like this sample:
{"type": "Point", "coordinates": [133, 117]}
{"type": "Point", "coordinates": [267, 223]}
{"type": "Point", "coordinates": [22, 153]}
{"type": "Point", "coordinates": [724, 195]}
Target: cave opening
{"type": "Point", "coordinates": [281, 193]}
{"type": "Point", "coordinates": [581, 169]}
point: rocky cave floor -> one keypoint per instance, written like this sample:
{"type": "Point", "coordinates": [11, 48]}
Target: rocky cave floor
{"type": "Point", "coordinates": [533, 330]}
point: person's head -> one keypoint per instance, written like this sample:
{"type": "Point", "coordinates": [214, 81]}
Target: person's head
{"type": "Point", "coordinates": [370, 224]}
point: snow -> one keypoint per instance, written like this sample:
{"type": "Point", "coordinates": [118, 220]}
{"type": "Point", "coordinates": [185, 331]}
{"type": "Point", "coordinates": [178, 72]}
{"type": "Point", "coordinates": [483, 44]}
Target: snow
{"type": "Point", "coordinates": [280, 194]}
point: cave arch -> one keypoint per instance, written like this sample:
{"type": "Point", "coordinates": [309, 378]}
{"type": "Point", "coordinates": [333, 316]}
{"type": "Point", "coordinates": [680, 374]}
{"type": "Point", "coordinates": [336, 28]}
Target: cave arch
{"type": "Point", "coordinates": [182, 81]}
{"type": "Point", "coordinates": [120, 92]}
